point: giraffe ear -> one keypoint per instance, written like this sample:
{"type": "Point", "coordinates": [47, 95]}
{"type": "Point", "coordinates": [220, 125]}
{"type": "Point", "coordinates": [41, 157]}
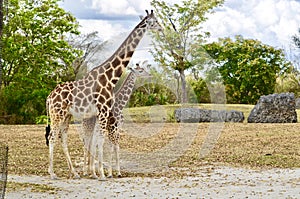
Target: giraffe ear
{"type": "Point", "coordinates": [141, 17]}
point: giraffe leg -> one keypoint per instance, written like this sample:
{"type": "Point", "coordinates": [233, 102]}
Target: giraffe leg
{"type": "Point", "coordinates": [117, 150]}
{"type": "Point", "coordinates": [87, 155]}
{"type": "Point", "coordinates": [88, 128]}
{"type": "Point", "coordinates": [64, 137]}
{"type": "Point", "coordinates": [110, 160]}
{"type": "Point", "coordinates": [114, 151]}
{"type": "Point", "coordinates": [52, 138]}
{"type": "Point", "coordinates": [92, 147]}
{"type": "Point", "coordinates": [100, 143]}
{"type": "Point", "coordinates": [85, 159]}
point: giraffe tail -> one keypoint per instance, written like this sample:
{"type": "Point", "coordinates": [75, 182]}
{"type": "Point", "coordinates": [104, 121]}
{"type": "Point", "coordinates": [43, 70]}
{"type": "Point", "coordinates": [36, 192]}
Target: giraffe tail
{"type": "Point", "coordinates": [48, 129]}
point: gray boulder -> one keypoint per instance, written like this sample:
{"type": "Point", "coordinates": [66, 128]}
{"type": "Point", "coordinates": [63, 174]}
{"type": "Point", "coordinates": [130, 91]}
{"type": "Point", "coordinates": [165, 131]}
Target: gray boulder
{"type": "Point", "coordinates": [297, 101]}
{"type": "Point", "coordinates": [274, 108]}
{"type": "Point", "coordinates": [194, 115]}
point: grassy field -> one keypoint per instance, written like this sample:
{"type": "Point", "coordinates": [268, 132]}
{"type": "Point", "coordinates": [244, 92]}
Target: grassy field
{"type": "Point", "coordinates": [239, 144]}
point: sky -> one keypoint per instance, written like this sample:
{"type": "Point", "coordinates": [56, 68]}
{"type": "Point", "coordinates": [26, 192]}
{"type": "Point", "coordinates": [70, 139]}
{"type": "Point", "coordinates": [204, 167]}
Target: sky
{"type": "Point", "coordinates": [273, 22]}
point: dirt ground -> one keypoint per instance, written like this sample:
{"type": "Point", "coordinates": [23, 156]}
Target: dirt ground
{"type": "Point", "coordinates": [207, 182]}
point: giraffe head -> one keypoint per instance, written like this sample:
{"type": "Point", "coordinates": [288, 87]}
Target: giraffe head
{"type": "Point", "coordinates": [139, 71]}
{"type": "Point", "coordinates": [150, 22]}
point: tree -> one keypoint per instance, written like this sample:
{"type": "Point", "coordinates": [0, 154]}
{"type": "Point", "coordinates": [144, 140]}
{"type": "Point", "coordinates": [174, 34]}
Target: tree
{"type": "Point", "coordinates": [249, 68]}
{"type": "Point", "coordinates": [200, 89]}
{"type": "Point", "coordinates": [35, 55]}
{"type": "Point", "coordinates": [290, 82]}
{"type": "Point", "coordinates": [182, 32]}
{"type": "Point", "coordinates": [33, 41]}
{"type": "Point", "coordinates": [296, 39]}
{"type": "Point", "coordinates": [2, 6]}
{"type": "Point", "coordinates": [89, 44]}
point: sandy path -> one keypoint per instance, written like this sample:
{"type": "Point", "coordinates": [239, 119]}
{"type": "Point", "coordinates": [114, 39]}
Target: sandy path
{"type": "Point", "coordinates": [216, 182]}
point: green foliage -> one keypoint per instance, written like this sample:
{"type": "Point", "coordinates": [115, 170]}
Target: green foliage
{"type": "Point", "coordinates": [35, 55]}
{"type": "Point", "coordinates": [181, 34]}
{"type": "Point", "coordinates": [41, 119]}
{"type": "Point", "coordinates": [152, 94]}
{"type": "Point", "coordinates": [248, 68]}
{"type": "Point", "coordinates": [288, 83]}
{"type": "Point", "coordinates": [33, 41]}
{"type": "Point", "coordinates": [201, 91]}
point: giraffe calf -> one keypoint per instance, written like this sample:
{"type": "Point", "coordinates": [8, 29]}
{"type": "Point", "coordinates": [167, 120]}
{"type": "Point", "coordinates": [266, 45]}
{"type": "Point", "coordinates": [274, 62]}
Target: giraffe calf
{"type": "Point", "coordinates": [94, 142]}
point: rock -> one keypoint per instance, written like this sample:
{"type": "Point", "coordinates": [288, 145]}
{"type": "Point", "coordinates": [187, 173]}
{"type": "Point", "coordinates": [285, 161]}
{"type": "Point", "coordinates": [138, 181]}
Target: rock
{"type": "Point", "coordinates": [193, 115]}
{"type": "Point", "coordinates": [274, 108]}
{"type": "Point", "coordinates": [297, 101]}
{"type": "Point", "coordinates": [189, 115]}
{"type": "Point", "coordinates": [235, 116]}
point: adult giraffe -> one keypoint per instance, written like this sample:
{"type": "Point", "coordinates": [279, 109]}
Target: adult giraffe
{"type": "Point", "coordinates": [91, 96]}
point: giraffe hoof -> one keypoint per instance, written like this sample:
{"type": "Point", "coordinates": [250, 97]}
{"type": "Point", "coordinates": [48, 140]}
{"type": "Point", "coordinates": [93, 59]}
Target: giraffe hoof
{"type": "Point", "coordinates": [54, 177]}
{"type": "Point", "coordinates": [76, 176]}
{"type": "Point", "coordinates": [94, 176]}
{"type": "Point", "coordinates": [102, 179]}
{"type": "Point", "coordinates": [119, 176]}
{"type": "Point", "coordinates": [109, 176]}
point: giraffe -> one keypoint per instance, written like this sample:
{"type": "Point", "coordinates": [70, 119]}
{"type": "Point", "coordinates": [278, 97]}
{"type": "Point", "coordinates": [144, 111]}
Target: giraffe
{"type": "Point", "coordinates": [122, 96]}
{"type": "Point", "coordinates": [91, 96]}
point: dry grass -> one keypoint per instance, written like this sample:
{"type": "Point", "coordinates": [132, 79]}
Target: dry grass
{"type": "Point", "coordinates": [253, 145]}
{"type": "Point", "coordinates": [28, 152]}
{"type": "Point", "coordinates": [240, 144]}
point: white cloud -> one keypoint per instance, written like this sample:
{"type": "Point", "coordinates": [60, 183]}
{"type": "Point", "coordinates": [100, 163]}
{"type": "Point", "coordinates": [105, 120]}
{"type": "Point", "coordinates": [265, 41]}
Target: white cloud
{"type": "Point", "coordinates": [228, 22]}
{"type": "Point", "coordinates": [105, 29]}
{"type": "Point", "coordinates": [265, 13]}
{"type": "Point", "coordinates": [271, 21]}
{"type": "Point", "coordinates": [121, 7]}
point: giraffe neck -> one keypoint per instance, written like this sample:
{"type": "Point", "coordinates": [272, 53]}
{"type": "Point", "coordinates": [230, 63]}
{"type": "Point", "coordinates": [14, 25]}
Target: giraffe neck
{"type": "Point", "coordinates": [123, 94]}
{"type": "Point", "coordinates": [115, 65]}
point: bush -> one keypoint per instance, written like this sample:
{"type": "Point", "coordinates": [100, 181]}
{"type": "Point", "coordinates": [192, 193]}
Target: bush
{"type": "Point", "coordinates": [200, 89]}
{"type": "Point", "coordinates": [288, 83]}
{"type": "Point", "coordinates": [21, 106]}
{"type": "Point", "coordinates": [152, 94]}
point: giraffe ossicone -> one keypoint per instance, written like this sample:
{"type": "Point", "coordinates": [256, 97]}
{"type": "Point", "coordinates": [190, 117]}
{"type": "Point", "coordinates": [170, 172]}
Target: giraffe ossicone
{"type": "Point", "coordinates": [91, 96]}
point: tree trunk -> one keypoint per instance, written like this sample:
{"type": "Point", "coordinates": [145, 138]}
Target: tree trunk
{"type": "Point", "coordinates": [1, 30]}
{"type": "Point", "coordinates": [183, 87]}
{"type": "Point", "coordinates": [178, 95]}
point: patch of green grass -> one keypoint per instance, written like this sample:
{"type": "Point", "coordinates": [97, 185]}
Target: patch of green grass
{"type": "Point", "coordinates": [165, 113]}
{"type": "Point", "coordinates": [152, 114]}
